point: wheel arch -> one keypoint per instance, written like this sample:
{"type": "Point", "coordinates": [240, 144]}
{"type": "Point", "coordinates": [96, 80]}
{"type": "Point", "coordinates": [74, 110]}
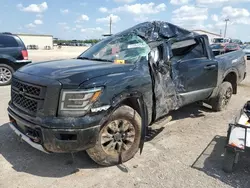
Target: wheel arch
{"type": "Point", "coordinates": [6, 62]}
{"type": "Point", "coordinates": [135, 101]}
{"type": "Point", "coordinates": [231, 77]}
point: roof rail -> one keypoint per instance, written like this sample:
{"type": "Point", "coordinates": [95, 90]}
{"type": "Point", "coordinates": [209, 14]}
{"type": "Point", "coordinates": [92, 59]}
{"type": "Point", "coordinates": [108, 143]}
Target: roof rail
{"type": "Point", "coordinates": [8, 33]}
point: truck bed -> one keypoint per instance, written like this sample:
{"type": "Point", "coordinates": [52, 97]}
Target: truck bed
{"type": "Point", "coordinates": [232, 61]}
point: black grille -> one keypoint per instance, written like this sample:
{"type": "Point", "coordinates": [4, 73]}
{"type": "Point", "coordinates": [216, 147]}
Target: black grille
{"type": "Point", "coordinates": [24, 103]}
{"type": "Point", "coordinates": [31, 90]}
{"type": "Point", "coordinates": [27, 97]}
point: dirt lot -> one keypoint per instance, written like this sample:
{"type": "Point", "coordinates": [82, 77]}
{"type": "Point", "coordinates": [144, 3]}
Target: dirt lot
{"type": "Point", "coordinates": [187, 153]}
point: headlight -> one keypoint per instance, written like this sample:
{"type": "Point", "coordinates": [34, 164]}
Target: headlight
{"type": "Point", "coordinates": [77, 102]}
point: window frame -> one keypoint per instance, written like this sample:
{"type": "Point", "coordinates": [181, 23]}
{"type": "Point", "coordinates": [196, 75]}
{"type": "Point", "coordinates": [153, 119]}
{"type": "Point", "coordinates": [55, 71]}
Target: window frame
{"type": "Point", "coordinates": [198, 41]}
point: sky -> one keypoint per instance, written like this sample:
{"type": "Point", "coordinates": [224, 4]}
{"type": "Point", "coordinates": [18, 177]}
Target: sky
{"type": "Point", "coordinates": [78, 19]}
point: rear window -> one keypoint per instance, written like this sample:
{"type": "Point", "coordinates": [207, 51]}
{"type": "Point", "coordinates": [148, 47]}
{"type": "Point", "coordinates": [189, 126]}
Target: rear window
{"type": "Point", "coordinates": [8, 41]}
{"type": "Point", "coordinates": [232, 46]}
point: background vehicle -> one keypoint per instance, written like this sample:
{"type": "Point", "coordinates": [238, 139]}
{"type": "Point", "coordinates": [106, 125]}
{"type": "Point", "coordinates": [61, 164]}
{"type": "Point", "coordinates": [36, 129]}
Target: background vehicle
{"type": "Point", "coordinates": [220, 40]}
{"type": "Point", "coordinates": [247, 51]}
{"type": "Point", "coordinates": [217, 49]}
{"type": "Point", "coordinates": [231, 47]}
{"type": "Point", "coordinates": [105, 100]}
{"type": "Point", "coordinates": [236, 41]}
{"type": "Point", "coordinates": [13, 55]}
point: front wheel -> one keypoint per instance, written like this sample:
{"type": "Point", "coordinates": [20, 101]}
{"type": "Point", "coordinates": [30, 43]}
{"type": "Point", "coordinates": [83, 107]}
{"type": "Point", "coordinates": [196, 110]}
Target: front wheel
{"type": "Point", "coordinates": [119, 138]}
{"type": "Point", "coordinates": [223, 98]}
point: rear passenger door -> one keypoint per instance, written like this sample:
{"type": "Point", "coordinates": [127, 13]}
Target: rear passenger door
{"type": "Point", "coordinates": [193, 72]}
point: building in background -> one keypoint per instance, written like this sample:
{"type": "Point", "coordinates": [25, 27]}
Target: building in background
{"type": "Point", "coordinates": [210, 35]}
{"type": "Point", "coordinates": [39, 41]}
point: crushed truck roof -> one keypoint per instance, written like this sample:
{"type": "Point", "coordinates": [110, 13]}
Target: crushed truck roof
{"type": "Point", "coordinates": [158, 30]}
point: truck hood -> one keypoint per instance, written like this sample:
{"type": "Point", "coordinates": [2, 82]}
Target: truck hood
{"type": "Point", "coordinates": [74, 71]}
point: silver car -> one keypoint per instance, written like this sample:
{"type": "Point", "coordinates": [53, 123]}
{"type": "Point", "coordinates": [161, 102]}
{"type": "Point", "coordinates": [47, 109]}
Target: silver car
{"type": "Point", "coordinates": [247, 51]}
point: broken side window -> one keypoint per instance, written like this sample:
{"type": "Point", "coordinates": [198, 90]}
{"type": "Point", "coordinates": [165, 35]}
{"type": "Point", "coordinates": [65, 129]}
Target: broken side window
{"type": "Point", "coordinates": [188, 49]}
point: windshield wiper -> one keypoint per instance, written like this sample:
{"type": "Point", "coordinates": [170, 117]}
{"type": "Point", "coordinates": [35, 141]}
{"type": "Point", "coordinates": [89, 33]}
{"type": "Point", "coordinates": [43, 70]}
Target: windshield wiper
{"type": "Point", "coordinates": [95, 59]}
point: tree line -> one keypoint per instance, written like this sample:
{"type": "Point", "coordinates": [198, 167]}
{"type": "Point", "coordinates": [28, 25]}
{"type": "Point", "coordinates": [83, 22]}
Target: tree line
{"type": "Point", "coordinates": [90, 41]}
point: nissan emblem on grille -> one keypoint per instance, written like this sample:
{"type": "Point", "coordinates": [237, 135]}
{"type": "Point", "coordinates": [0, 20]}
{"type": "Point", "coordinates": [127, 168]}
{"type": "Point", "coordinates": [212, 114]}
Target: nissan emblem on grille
{"type": "Point", "coordinates": [22, 92]}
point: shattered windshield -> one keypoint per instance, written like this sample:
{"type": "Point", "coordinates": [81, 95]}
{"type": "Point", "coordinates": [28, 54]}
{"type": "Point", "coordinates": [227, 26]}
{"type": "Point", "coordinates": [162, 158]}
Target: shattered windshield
{"type": "Point", "coordinates": [126, 49]}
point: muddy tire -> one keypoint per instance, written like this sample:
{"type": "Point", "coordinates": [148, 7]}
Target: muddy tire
{"type": "Point", "coordinates": [223, 98]}
{"type": "Point", "coordinates": [229, 161]}
{"type": "Point", "coordinates": [6, 73]}
{"type": "Point", "coordinates": [118, 139]}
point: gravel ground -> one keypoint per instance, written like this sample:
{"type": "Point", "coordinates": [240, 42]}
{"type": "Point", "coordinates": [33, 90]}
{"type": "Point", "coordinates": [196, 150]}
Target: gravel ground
{"type": "Point", "coordinates": [187, 153]}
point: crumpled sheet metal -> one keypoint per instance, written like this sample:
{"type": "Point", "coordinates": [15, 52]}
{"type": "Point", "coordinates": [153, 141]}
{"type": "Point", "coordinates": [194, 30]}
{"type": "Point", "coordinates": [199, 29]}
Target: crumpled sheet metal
{"type": "Point", "coordinates": [157, 30]}
{"type": "Point", "coordinates": [165, 90]}
{"type": "Point", "coordinates": [166, 81]}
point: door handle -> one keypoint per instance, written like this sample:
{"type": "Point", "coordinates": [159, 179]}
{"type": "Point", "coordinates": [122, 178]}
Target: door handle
{"type": "Point", "coordinates": [209, 67]}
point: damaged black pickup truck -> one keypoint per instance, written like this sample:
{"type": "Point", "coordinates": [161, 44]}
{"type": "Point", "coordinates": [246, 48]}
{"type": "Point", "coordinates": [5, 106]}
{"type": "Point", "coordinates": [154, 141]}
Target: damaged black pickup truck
{"type": "Point", "coordinates": [105, 100]}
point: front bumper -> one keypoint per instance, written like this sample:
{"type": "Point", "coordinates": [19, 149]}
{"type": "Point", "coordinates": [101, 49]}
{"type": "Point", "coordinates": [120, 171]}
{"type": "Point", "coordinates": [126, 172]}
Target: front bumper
{"type": "Point", "coordinates": [55, 140]}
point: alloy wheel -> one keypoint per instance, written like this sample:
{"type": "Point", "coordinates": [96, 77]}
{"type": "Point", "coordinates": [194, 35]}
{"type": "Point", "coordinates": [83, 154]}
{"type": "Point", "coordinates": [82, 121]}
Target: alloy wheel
{"type": "Point", "coordinates": [5, 75]}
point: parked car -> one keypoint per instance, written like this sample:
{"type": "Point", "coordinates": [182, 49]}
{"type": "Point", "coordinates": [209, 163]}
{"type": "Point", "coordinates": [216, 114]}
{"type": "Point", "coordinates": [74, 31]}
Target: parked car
{"type": "Point", "coordinates": [107, 99]}
{"type": "Point", "coordinates": [236, 41]}
{"type": "Point", "coordinates": [231, 47]}
{"type": "Point", "coordinates": [220, 40]}
{"type": "Point", "coordinates": [13, 55]}
{"type": "Point", "coordinates": [217, 49]}
{"type": "Point", "coordinates": [247, 51]}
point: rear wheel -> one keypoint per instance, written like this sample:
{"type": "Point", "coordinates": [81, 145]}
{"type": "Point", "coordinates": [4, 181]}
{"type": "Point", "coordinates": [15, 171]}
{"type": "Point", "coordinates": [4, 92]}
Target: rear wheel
{"type": "Point", "coordinates": [118, 139]}
{"type": "Point", "coordinates": [5, 74]}
{"type": "Point", "coordinates": [223, 98]}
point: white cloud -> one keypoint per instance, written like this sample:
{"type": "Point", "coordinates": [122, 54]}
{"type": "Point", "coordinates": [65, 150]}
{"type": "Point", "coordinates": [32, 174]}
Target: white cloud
{"type": "Point", "coordinates": [235, 16]}
{"type": "Point", "coordinates": [103, 9]}
{"type": "Point", "coordinates": [64, 11]}
{"type": "Point", "coordinates": [179, 2]}
{"type": "Point", "coordinates": [38, 22]}
{"type": "Point", "coordinates": [190, 17]}
{"type": "Point", "coordinates": [115, 19]}
{"type": "Point", "coordinates": [215, 17]}
{"type": "Point", "coordinates": [66, 28]}
{"type": "Point", "coordinates": [39, 15]}
{"type": "Point", "coordinates": [74, 29]}
{"type": "Point", "coordinates": [220, 2]}
{"type": "Point", "coordinates": [38, 8]}
{"type": "Point", "coordinates": [124, 1]}
{"type": "Point", "coordinates": [141, 19]}
{"type": "Point", "coordinates": [30, 25]}
{"type": "Point", "coordinates": [235, 12]}
{"type": "Point", "coordinates": [62, 23]}
{"type": "Point", "coordinates": [82, 18]}
{"type": "Point", "coordinates": [78, 26]}
{"type": "Point", "coordinates": [149, 8]}
{"type": "Point", "coordinates": [94, 29]}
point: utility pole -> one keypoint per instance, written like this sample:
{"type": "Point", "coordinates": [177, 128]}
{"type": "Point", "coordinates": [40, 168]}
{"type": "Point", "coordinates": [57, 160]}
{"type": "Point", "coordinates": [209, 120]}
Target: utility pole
{"type": "Point", "coordinates": [110, 25]}
{"type": "Point", "coordinates": [225, 33]}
